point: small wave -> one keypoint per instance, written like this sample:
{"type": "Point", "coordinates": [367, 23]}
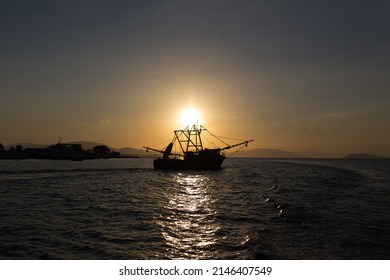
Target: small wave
{"type": "Point", "coordinates": [76, 170]}
{"type": "Point", "coordinates": [119, 210]}
{"type": "Point", "coordinates": [6, 175]}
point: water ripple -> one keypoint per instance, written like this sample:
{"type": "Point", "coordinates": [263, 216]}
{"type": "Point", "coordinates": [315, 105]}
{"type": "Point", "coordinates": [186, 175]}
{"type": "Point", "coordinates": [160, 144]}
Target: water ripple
{"type": "Point", "coordinates": [268, 209]}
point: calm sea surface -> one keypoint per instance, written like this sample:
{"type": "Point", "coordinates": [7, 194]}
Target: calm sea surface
{"type": "Point", "coordinates": [250, 209]}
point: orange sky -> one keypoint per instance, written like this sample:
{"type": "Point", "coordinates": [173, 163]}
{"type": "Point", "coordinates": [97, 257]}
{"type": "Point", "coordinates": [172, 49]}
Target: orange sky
{"type": "Point", "coordinates": [304, 77]}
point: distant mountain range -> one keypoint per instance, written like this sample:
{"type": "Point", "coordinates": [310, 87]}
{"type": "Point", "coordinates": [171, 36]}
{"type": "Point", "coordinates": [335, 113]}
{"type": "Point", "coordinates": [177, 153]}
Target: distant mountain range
{"type": "Point", "coordinates": [364, 156]}
{"type": "Point", "coordinates": [254, 153]}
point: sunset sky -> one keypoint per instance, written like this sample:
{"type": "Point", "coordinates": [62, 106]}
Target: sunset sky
{"type": "Point", "coordinates": [293, 75]}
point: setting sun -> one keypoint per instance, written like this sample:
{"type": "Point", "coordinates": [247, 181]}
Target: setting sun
{"type": "Point", "coordinates": [189, 117]}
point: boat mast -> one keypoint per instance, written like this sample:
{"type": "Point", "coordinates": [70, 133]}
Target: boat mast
{"type": "Point", "coordinates": [189, 138]}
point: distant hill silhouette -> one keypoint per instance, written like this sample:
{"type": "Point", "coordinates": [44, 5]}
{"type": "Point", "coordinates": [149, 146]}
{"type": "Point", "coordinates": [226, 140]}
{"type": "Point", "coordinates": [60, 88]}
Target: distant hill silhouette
{"type": "Point", "coordinates": [253, 153]}
{"type": "Point", "coordinates": [127, 151]}
{"type": "Point", "coordinates": [87, 145]}
{"type": "Point", "coordinates": [364, 156]}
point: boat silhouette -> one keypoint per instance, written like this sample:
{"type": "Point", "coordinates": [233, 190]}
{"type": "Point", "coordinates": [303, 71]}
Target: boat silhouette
{"type": "Point", "coordinates": [192, 155]}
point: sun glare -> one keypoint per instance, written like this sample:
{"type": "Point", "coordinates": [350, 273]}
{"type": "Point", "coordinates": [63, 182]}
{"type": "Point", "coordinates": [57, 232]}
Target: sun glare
{"type": "Point", "coordinates": [190, 116]}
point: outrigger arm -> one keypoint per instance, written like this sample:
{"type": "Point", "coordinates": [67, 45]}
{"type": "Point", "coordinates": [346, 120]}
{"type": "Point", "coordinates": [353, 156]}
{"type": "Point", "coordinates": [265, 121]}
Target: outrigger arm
{"type": "Point", "coordinates": [238, 144]}
{"type": "Point", "coordinates": [154, 150]}
{"type": "Point", "coordinates": [160, 151]}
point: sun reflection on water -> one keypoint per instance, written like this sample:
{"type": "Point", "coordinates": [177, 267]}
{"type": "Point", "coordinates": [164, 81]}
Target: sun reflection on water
{"type": "Point", "coordinates": [188, 223]}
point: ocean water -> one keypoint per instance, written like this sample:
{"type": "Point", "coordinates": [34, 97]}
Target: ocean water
{"type": "Point", "coordinates": [250, 209]}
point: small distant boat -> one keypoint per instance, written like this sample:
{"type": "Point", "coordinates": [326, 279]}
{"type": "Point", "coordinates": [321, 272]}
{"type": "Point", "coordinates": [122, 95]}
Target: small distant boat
{"type": "Point", "coordinates": [66, 151]}
{"type": "Point", "coordinates": [192, 155]}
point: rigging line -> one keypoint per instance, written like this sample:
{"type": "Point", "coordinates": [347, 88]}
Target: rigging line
{"type": "Point", "coordinates": [163, 142]}
{"type": "Point", "coordinates": [237, 151]}
{"type": "Point", "coordinates": [213, 144]}
{"type": "Point", "coordinates": [218, 138]}
{"type": "Point", "coordinates": [209, 142]}
{"type": "Point", "coordinates": [235, 139]}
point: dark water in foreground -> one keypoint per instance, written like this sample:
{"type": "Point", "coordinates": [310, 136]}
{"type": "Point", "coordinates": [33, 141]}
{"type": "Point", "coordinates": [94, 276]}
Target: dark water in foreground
{"type": "Point", "coordinates": [250, 209]}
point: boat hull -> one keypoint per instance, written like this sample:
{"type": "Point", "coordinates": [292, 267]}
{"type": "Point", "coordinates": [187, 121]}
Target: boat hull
{"type": "Point", "coordinates": [188, 164]}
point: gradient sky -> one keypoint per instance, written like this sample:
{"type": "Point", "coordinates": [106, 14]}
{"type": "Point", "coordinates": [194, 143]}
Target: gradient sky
{"type": "Point", "coordinates": [293, 75]}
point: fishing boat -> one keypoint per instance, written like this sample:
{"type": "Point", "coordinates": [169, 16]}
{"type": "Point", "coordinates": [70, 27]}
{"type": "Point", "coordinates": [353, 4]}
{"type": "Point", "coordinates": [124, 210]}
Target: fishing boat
{"type": "Point", "coordinates": [191, 154]}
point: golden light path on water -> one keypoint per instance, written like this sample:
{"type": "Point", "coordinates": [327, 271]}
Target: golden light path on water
{"type": "Point", "coordinates": [189, 228]}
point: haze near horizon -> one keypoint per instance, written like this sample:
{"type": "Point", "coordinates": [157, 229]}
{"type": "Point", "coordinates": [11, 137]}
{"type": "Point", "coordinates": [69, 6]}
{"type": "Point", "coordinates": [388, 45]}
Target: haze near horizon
{"type": "Point", "coordinates": [298, 76]}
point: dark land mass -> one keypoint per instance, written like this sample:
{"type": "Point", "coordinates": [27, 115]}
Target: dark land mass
{"type": "Point", "coordinates": [80, 150]}
{"type": "Point", "coordinates": [60, 151]}
{"type": "Point", "coordinates": [365, 156]}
